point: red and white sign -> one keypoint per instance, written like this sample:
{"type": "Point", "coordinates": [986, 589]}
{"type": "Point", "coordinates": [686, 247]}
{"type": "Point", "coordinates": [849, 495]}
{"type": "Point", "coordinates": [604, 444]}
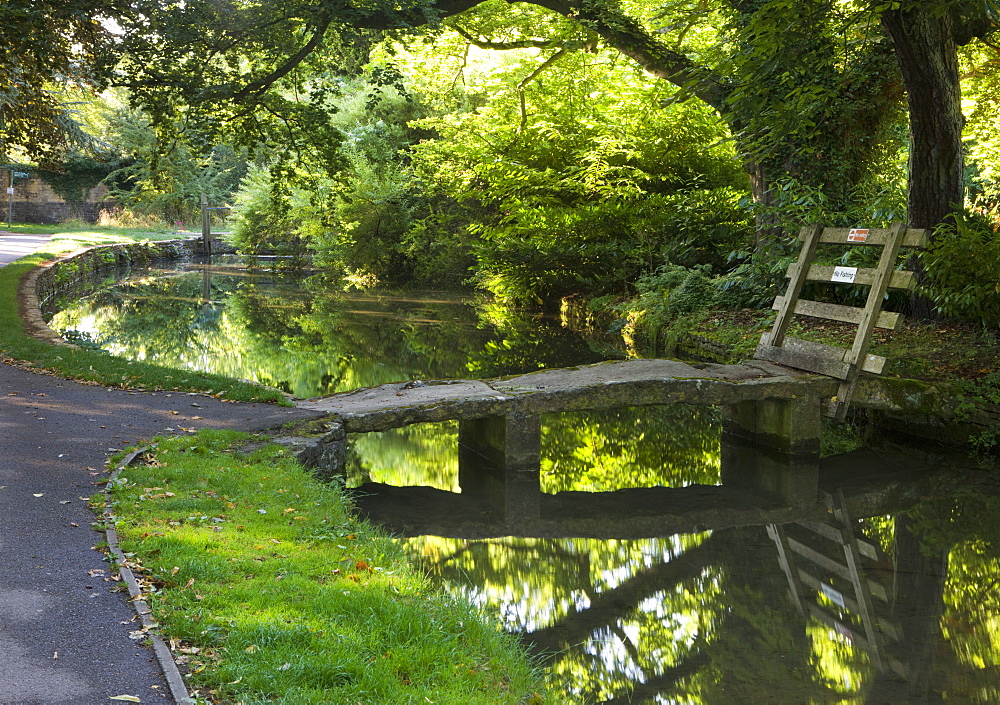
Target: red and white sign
{"type": "Point", "coordinates": [857, 235]}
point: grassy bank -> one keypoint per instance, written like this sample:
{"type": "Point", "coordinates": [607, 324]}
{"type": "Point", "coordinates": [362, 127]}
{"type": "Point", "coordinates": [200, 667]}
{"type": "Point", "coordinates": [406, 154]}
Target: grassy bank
{"type": "Point", "coordinates": [938, 350]}
{"type": "Point", "coordinates": [933, 351]}
{"type": "Point", "coordinates": [272, 593]}
{"type": "Point", "coordinates": [95, 366]}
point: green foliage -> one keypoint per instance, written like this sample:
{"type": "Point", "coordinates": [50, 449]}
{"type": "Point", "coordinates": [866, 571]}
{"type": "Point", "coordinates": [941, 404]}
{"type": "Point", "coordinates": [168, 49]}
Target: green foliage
{"type": "Point", "coordinates": [165, 177]}
{"type": "Point", "coordinates": [580, 188]}
{"type": "Point", "coordinates": [669, 304]}
{"type": "Point", "coordinates": [980, 68]}
{"type": "Point", "coordinates": [264, 217]}
{"type": "Point", "coordinates": [355, 221]}
{"type": "Point", "coordinates": [962, 270]}
{"type": "Point", "coordinates": [815, 96]}
{"type": "Point", "coordinates": [49, 42]}
{"type": "Point", "coordinates": [78, 174]}
{"type": "Point", "coordinates": [793, 203]}
{"type": "Point", "coordinates": [757, 277]}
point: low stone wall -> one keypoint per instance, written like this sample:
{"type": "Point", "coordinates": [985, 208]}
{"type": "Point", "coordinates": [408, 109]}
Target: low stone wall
{"type": "Point", "coordinates": [53, 212]}
{"type": "Point", "coordinates": [43, 282]}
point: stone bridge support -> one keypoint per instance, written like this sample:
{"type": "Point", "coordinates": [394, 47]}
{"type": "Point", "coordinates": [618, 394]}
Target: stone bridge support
{"type": "Point", "coordinates": [498, 462]}
{"type": "Point", "coordinates": [771, 447]}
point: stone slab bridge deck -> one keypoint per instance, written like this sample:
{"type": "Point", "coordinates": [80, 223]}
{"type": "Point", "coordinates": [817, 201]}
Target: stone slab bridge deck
{"type": "Point", "coordinates": [590, 387]}
{"type": "Point", "coordinates": [767, 406]}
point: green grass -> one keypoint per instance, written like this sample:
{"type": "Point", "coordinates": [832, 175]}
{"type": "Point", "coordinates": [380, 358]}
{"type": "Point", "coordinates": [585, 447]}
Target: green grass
{"type": "Point", "coordinates": [274, 593]}
{"type": "Point", "coordinates": [930, 351]}
{"type": "Point", "coordinates": [90, 234]}
{"type": "Point", "coordinates": [93, 365]}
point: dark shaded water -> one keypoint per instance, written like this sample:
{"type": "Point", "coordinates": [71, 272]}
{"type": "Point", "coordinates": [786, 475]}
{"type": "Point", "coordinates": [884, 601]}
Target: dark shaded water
{"type": "Point", "coordinates": [639, 573]}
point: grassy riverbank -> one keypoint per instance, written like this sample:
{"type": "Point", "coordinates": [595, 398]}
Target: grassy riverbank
{"type": "Point", "coordinates": [932, 351]}
{"type": "Point", "coordinates": [271, 592]}
{"type": "Point", "coordinates": [96, 366]}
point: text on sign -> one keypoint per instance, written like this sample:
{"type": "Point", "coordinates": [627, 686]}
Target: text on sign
{"type": "Point", "coordinates": [844, 275]}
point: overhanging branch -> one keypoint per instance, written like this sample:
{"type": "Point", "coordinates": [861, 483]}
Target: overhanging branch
{"type": "Point", "coordinates": [630, 38]}
{"type": "Point", "coordinates": [504, 46]}
{"type": "Point", "coordinates": [255, 88]}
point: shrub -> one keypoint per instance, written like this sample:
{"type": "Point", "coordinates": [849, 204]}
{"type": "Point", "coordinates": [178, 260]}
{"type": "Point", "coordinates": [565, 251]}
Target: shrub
{"type": "Point", "coordinates": [962, 269]}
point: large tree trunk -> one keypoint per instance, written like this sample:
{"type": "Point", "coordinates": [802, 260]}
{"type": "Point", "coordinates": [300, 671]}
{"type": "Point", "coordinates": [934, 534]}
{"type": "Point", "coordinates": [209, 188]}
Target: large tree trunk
{"type": "Point", "coordinates": [928, 61]}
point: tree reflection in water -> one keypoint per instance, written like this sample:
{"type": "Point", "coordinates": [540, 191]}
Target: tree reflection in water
{"type": "Point", "coordinates": [703, 616]}
{"type": "Point", "coordinates": [708, 616]}
{"type": "Point", "coordinates": [309, 336]}
{"type": "Point", "coordinates": [591, 452]}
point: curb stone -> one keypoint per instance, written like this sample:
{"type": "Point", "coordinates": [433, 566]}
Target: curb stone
{"type": "Point", "coordinates": [175, 681]}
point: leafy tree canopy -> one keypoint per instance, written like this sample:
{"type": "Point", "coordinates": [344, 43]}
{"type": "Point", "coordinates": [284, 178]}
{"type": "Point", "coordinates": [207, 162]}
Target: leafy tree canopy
{"type": "Point", "coordinates": [49, 42]}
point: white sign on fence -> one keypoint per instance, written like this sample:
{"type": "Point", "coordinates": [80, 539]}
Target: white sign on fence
{"type": "Point", "coordinates": [835, 596]}
{"type": "Point", "coordinates": [844, 275]}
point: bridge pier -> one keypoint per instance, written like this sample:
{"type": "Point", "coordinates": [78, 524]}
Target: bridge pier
{"type": "Point", "coordinates": [498, 462]}
{"type": "Point", "coordinates": [512, 441]}
{"type": "Point", "coordinates": [771, 447]}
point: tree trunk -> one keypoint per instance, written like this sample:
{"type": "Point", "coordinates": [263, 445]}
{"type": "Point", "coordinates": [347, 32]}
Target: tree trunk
{"type": "Point", "coordinates": [928, 61]}
{"type": "Point", "coordinates": [767, 230]}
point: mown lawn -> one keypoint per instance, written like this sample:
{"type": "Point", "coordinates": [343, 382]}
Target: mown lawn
{"type": "Point", "coordinates": [272, 592]}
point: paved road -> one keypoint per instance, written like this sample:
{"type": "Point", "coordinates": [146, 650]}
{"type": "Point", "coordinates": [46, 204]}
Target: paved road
{"type": "Point", "coordinates": [14, 246]}
{"type": "Point", "coordinates": [64, 631]}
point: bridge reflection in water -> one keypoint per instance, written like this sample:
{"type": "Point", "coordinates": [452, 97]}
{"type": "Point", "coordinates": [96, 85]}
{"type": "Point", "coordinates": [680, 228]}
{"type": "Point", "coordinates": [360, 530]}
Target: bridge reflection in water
{"type": "Point", "coordinates": [726, 593]}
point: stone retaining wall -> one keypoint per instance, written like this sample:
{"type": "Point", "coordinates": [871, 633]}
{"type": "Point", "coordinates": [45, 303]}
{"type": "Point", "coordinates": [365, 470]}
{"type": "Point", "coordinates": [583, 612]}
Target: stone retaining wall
{"type": "Point", "coordinates": [53, 212]}
{"type": "Point", "coordinates": [44, 281]}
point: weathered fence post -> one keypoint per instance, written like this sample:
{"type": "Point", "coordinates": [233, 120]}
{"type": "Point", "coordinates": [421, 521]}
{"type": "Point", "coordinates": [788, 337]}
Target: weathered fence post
{"type": "Point", "coordinates": [206, 225]}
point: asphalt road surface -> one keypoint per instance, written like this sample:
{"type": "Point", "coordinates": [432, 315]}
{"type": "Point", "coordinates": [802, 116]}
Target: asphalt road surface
{"type": "Point", "coordinates": [64, 627]}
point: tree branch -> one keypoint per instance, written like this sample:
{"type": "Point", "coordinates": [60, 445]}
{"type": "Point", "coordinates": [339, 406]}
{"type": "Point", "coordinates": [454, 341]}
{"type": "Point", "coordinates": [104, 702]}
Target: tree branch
{"type": "Point", "coordinates": [504, 46]}
{"type": "Point", "coordinates": [629, 37]}
{"type": "Point", "coordinates": [615, 27]}
{"type": "Point", "coordinates": [260, 85]}
{"type": "Point", "coordinates": [528, 79]}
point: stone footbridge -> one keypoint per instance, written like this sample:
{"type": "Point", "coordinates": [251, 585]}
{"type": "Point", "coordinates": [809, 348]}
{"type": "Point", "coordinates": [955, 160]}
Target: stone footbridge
{"type": "Point", "coordinates": [766, 407]}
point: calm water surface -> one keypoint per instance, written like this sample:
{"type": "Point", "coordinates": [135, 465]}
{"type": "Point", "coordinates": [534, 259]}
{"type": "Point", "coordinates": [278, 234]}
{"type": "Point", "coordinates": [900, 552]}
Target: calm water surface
{"type": "Point", "coordinates": [642, 577]}
{"type": "Point", "coordinates": [884, 592]}
{"type": "Point", "coordinates": [306, 336]}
